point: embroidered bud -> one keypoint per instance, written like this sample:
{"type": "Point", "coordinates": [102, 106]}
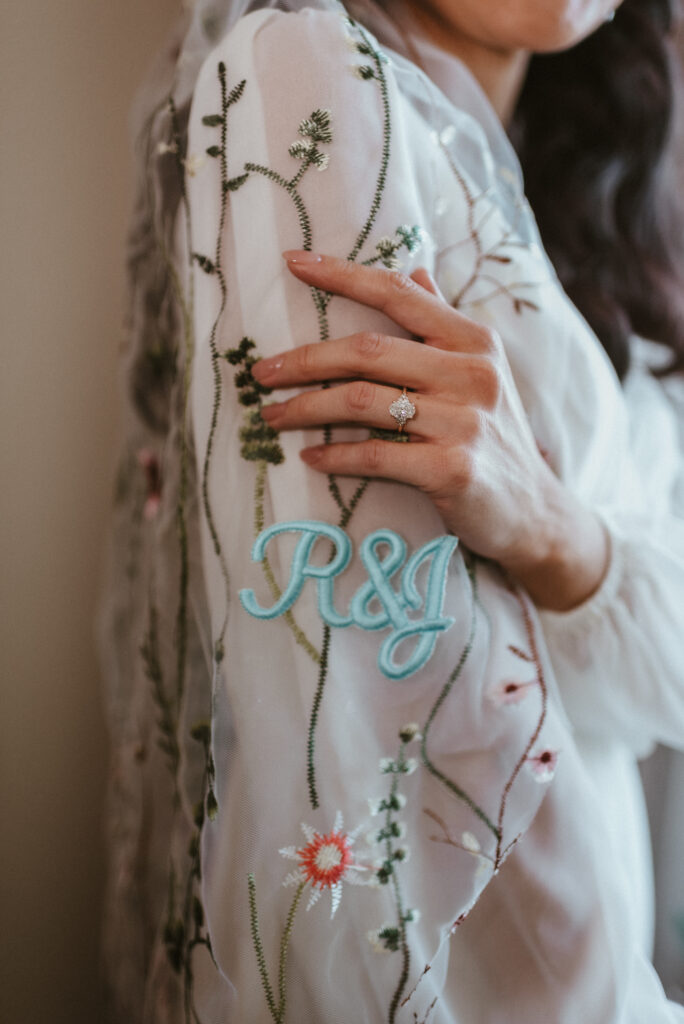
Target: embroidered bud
{"type": "Point", "coordinates": [201, 731]}
{"type": "Point", "coordinates": [194, 163]}
{"type": "Point", "coordinates": [212, 805]}
{"type": "Point", "coordinates": [470, 842]}
{"type": "Point", "coordinates": [412, 916]}
{"type": "Point", "coordinates": [409, 732]}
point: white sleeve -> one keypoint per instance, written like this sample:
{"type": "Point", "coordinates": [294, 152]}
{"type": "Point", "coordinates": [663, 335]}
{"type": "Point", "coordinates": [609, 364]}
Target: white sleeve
{"type": "Point", "coordinates": [299, 136]}
{"type": "Point", "coordinates": [619, 657]}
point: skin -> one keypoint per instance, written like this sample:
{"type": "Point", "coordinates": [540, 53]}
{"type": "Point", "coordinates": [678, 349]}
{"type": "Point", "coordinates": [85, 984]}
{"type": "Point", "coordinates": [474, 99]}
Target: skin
{"type": "Point", "coordinates": [472, 451]}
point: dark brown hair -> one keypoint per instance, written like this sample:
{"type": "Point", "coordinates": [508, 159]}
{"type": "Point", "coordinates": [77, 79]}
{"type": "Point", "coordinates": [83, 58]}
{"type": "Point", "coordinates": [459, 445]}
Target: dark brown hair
{"type": "Point", "coordinates": [594, 130]}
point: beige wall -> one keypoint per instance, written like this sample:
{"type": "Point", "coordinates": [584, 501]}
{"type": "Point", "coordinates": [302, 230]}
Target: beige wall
{"type": "Point", "coordinates": [67, 73]}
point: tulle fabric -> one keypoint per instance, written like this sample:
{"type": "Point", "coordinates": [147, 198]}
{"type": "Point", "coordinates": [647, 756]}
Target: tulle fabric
{"type": "Point", "coordinates": [230, 760]}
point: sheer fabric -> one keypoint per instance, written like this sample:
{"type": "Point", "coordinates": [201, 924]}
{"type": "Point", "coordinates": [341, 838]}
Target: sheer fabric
{"type": "Point", "coordinates": [311, 817]}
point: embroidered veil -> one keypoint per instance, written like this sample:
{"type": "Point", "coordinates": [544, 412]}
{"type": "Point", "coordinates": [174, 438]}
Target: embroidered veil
{"type": "Point", "coordinates": [333, 729]}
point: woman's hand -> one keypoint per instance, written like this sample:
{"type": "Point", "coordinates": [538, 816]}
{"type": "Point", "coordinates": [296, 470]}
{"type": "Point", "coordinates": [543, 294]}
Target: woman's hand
{"type": "Point", "coordinates": [472, 450]}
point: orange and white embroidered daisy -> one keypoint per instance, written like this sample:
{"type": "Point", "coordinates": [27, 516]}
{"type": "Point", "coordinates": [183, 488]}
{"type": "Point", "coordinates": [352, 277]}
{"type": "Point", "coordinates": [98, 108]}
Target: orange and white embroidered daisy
{"type": "Point", "coordinates": [325, 862]}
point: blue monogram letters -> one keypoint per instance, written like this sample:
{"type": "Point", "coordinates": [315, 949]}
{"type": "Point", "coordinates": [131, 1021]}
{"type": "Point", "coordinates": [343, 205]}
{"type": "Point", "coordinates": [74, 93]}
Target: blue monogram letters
{"type": "Point", "coordinates": [391, 605]}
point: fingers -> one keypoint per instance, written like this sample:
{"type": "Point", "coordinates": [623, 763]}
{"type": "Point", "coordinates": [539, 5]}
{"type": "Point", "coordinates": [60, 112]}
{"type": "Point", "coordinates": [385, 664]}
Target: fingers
{"type": "Point", "coordinates": [425, 279]}
{"type": "Point", "coordinates": [366, 403]}
{"type": "Point", "coordinates": [401, 298]}
{"type": "Point", "coordinates": [421, 465]}
{"type": "Point", "coordinates": [370, 355]}
{"type": "Point", "coordinates": [457, 379]}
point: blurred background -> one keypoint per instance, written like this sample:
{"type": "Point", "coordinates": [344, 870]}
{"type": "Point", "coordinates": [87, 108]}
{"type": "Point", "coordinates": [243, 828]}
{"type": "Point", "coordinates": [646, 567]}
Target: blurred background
{"type": "Point", "coordinates": [68, 72]}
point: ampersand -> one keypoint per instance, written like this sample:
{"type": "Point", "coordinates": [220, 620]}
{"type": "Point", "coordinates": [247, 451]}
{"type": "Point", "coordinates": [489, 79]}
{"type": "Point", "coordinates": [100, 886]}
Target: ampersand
{"type": "Point", "coordinates": [393, 604]}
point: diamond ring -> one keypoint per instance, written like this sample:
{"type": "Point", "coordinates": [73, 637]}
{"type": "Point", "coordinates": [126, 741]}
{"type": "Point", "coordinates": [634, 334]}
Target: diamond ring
{"type": "Point", "coordinates": [402, 410]}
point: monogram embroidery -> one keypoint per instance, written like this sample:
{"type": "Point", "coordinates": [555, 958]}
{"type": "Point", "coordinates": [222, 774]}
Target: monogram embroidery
{"type": "Point", "coordinates": [394, 604]}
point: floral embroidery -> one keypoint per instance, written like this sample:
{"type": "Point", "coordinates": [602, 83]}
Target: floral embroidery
{"type": "Point", "coordinates": [392, 938]}
{"type": "Point", "coordinates": [469, 843]}
{"type": "Point", "coordinates": [511, 691]}
{"type": "Point", "coordinates": [543, 765]}
{"type": "Point", "coordinates": [150, 464]}
{"type": "Point", "coordinates": [316, 130]}
{"type": "Point", "coordinates": [387, 249]}
{"type": "Point", "coordinates": [494, 825]}
{"type": "Point", "coordinates": [325, 862]}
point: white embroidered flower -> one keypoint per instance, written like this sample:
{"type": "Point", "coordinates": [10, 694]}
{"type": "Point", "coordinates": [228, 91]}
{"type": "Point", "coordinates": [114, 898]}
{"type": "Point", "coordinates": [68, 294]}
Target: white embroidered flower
{"type": "Point", "coordinates": [470, 842]}
{"type": "Point", "coordinates": [325, 862]}
{"type": "Point", "coordinates": [447, 135]}
{"type": "Point", "coordinates": [194, 163]}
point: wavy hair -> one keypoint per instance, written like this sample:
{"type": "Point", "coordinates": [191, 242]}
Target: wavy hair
{"type": "Point", "coordinates": [594, 131]}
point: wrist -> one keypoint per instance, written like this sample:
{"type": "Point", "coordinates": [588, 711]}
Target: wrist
{"type": "Point", "coordinates": [568, 556]}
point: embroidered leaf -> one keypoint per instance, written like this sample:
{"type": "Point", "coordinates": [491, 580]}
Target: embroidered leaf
{"type": "Point", "coordinates": [212, 805]}
{"type": "Point", "coordinates": [318, 127]}
{"type": "Point", "coordinates": [213, 151]}
{"type": "Point", "coordinates": [520, 304]}
{"type": "Point", "coordinates": [204, 262]}
{"type": "Point", "coordinates": [233, 184]}
{"type": "Point", "coordinates": [212, 120]}
{"type": "Point", "coordinates": [235, 93]}
{"type": "Point", "coordinates": [201, 731]}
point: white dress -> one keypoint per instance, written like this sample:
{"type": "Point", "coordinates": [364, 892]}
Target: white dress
{"type": "Point", "coordinates": [415, 798]}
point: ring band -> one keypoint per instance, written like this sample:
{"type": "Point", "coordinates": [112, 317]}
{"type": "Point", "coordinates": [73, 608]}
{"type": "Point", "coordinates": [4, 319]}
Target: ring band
{"type": "Point", "coordinates": [402, 410]}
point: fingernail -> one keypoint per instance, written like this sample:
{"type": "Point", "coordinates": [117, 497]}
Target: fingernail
{"type": "Point", "coordinates": [312, 455]}
{"type": "Point", "coordinates": [271, 411]}
{"type": "Point", "coordinates": [302, 257]}
{"type": "Point", "coordinates": [266, 368]}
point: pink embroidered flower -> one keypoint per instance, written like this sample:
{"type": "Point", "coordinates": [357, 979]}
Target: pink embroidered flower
{"type": "Point", "coordinates": [511, 691]}
{"type": "Point", "coordinates": [543, 765]}
{"type": "Point", "coordinates": [325, 862]}
{"type": "Point", "coordinates": [150, 464]}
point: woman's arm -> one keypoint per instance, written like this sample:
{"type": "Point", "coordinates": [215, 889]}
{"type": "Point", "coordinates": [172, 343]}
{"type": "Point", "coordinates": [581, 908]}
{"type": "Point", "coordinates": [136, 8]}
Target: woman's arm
{"type": "Point", "coordinates": [474, 453]}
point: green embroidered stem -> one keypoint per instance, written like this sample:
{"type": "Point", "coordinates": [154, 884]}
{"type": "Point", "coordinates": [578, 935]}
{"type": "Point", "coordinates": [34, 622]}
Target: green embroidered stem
{"type": "Point", "coordinates": [386, 146]}
{"type": "Point", "coordinates": [259, 950]}
{"type": "Point", "coordinates": [259, 519]}
{"type": "Point", "coordinates": [393, 938]}
{"type": "Point", "coordinates": [313, 721]}
{"type": "Point", "coordinates": [167, 724]}
{"type": "Point", "coordinates": [284, 944]}
{"type": "Point", "coordinates": [226, 102]}
{"type": "Point", "coordinates": [446, 690]}
{"type": "Point", "coordinates": [366, 48]}
{"type": "Point", "coordinates": [278, 1012]}
{"type": "Point", "coordinates": [188, 354]}
{"type": "Point", "coordinates": [401, 917]}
